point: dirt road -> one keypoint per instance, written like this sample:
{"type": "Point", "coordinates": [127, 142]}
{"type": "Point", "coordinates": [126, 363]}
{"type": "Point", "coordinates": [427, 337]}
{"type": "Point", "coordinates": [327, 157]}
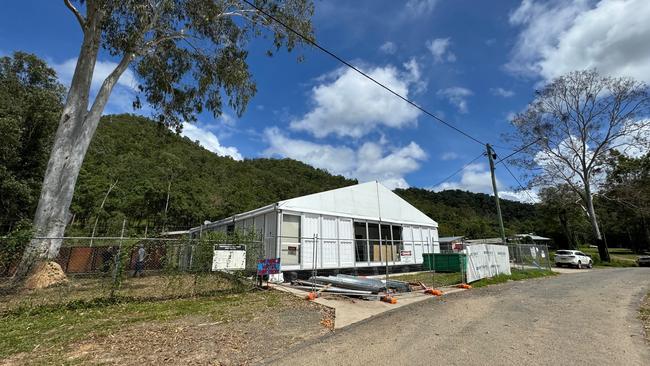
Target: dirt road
{"type": "Point", "coordinates": [586, 318]}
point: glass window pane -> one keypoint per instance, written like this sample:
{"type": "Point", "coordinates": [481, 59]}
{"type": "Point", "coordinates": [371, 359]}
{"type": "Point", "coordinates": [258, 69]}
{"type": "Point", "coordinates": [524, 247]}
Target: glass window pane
{"type": "Point", "coordinates": [360, 242]}
{"type": "Point", "coordinates": [290, 239]}
{"type": "Point", "coordinates": [375, 250]}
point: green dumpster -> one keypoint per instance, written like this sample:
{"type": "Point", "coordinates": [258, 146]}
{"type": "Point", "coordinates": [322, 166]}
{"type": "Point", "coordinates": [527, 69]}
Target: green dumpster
{"type": "Point", "coordinates": [443, 262]}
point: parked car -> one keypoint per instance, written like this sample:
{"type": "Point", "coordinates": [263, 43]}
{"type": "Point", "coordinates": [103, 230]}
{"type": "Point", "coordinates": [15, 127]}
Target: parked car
{"type": "Point", "coordinates": [573, 258]}
{"type": "Point", "coordinates": [643, 261]}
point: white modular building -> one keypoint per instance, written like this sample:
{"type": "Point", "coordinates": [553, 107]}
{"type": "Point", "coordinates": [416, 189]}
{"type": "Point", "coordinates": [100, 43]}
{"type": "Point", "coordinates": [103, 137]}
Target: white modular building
{"type": "Point", "coordinates": [364, 225]}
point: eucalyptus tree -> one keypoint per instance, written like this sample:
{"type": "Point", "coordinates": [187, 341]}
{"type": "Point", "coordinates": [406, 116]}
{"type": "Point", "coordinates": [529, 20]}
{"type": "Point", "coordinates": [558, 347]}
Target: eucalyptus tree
{"type": "Point", "coordinates": [572, 125]}
{"type": "Point", "coordinates": [188, 56]}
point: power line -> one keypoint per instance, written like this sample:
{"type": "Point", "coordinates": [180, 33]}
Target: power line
{"type": "Point", "coordinates": [459, 170]}
{"type": "Point", "coordinates": [517, 151]}
{"type": "Point", "coordinates": [313, 43]}
{"type": "Point", "coordinates": [519, 183]}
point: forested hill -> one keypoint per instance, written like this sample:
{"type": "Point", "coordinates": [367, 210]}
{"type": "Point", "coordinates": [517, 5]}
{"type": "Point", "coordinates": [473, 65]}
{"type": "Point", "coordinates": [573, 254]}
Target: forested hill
{"type": "Point", "coordinates": [471, 214]}
{"type": "Point", "coordinates": [145, 159]}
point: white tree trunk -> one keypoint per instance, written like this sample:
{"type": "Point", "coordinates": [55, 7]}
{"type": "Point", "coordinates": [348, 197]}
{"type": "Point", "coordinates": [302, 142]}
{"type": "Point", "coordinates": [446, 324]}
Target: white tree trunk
{"type": "Point", "coordinates": [76, 129]}
{"type": "Point", "coordinates": [603, 252]}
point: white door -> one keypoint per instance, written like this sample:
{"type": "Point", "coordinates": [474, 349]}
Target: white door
{"type": "Point", "coordinates": [310, 250]}
{"type": "Point", "coordinates": [407, 237]}
{"type": "Point", "coordinates": [417, 244]}
{"type": "Point", "coordinates": [330, 250]}
{"type": "Point", "coordinates": [346, 242]}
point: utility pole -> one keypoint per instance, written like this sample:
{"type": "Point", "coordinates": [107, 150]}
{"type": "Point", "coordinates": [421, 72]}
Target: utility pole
{"type": "Point", "coordinates": [491, 156]}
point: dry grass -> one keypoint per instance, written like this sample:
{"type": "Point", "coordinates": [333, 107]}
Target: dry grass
{"type": "Point", "coordinates": [644, 314]}
{"type": "Point", "coordinates": [148, 287]}
{"type": "Point", "coordinates": [228, 329]}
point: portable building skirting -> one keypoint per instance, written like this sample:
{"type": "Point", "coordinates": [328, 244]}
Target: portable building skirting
{"type": "Point", "coordinates": [363, 225]}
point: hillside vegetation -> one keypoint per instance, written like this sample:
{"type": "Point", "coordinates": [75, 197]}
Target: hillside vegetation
{"type": "Point", "coordinates": [471, 214]}
{"type": "Point", "coordinates": [145, 159]}
{"type": "Point", "coordinates": [148, 160]}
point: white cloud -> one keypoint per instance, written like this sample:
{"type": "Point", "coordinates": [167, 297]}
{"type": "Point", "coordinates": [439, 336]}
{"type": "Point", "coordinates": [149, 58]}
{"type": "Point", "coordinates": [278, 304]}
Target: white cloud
{"type": "Point", "coordinates": [348, 104]}
{"type": "Point", "coordinates": [418, 8]}
{"type": "Point", "coordinates": [450, 155]}
{"type": "Point", "coordinates": [371, 161]}
{"type": "Point", "coordinates": [388, 48]}
{"type": "Point", "coordinates": [501, 92]}
{"type": "Point", "coordinates": [476, 178]}
{"type": "Point", "coordinates": [561, 36]}
{"type": "Point", "coordinates": [457, 96]}
{"type": "Point", "coordinates": [439, 48]}
{"type": "Point", "coordinates": [209, 141]}
{"type": "Point", "coordinates": [65, 71]}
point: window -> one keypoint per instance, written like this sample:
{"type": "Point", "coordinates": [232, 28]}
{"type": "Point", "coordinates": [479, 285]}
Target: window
{"type": "Point", "coordinates": [388, 251]}
{"type": "Point", "coordinates": [360, 242]}
{"type": "Point", "coordinates": [290, 239]}
{"type": "Point", "coordinates": [397, 240]}
{"type": "Point", "coordinates": [375, 248]}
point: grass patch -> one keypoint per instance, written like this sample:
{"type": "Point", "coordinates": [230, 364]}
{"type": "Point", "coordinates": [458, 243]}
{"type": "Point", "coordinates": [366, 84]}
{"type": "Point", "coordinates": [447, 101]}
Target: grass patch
{"type": "Point", "coordinates": [517, 275]}
{"type": "Point", "coordinates": [84, 290]}
{"type": "Point", "coordinates": [55, 328]}
{"type": "Point", "coordinates": [440, 279]}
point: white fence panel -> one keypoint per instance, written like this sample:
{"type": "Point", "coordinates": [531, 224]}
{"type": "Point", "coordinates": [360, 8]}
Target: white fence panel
{"type": "Point", "coordinates": [486, 260]}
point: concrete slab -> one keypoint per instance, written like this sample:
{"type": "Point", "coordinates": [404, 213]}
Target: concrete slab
{"type": "Point", "coordinates": [349, 310]}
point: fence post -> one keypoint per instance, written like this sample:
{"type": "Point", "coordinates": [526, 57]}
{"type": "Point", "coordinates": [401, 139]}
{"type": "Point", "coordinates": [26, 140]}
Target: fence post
{"type": "Point", "coordinates": [548, 257]}
{"type": "Point", "coordinates": [118, 261]}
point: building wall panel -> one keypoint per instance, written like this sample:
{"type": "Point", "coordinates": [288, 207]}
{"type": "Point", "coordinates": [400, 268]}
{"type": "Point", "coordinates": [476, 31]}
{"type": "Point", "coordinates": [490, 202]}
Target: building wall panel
{"type": "Point", "coordinates": [346, 242]}
{"type": "Point", "coordinates": [329, 241]}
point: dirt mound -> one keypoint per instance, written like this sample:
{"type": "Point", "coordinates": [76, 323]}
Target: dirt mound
{"type": "Point", "coordinates": [44, 275]}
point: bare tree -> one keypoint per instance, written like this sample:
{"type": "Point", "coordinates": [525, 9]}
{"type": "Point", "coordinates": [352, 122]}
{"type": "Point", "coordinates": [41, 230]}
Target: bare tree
{"type": "Point", "coordinates": [572, 124]}
{"type": "Point", "coordinates": [188, 55]}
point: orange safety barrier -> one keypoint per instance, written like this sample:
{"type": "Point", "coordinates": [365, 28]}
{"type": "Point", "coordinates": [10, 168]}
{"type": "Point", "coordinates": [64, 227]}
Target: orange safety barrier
{"type": "Point", "coordinates": [465, 286]}
{"type": "Point", "coordinates": [434, 292]}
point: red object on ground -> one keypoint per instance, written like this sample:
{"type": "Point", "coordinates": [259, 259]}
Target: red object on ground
{"type": "Point", "coordinates": [434, 292]}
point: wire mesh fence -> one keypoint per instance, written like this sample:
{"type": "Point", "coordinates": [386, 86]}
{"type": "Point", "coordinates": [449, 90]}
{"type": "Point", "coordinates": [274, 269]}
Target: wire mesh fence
{"type": "Point", "coordinates": [529, 256]}
{"type": "Point", "coordinates": [138, 268]}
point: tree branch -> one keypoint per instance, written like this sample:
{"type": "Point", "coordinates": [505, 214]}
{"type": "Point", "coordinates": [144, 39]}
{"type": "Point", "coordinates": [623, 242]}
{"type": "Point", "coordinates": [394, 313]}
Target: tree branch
{"type": "Point", "coordinates": [80, 18]}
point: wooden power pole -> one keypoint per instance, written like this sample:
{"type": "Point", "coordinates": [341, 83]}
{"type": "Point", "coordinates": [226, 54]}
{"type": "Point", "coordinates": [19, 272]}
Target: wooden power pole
{"type": "Point", "coordinates": [491, 156]}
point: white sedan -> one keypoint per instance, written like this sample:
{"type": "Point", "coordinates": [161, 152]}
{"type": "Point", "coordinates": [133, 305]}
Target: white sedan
{"type": "Point", "coordinates": [573, 258]}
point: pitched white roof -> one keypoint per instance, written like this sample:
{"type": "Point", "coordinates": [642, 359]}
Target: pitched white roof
{"type": "Point", "coordinates": [366, 200]}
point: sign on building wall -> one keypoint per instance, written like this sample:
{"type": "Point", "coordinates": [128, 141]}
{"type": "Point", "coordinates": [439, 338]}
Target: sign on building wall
{"type": "Point", "coordinates": [229, 257]}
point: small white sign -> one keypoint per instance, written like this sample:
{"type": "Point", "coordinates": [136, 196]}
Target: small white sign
{"type": "Point", "coordinates": [229, 257]}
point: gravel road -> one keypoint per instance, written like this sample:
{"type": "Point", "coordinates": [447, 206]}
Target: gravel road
{"type": "Point", "coordinates": [584, 318]}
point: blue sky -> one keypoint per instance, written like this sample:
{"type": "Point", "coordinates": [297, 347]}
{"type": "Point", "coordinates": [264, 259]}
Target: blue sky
{"type": "Point", "coordinates": [473, 63]}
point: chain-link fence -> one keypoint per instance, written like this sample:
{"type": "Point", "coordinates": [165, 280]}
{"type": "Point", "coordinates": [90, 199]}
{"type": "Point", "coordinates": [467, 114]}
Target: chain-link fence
{"type": "Point", "coordinates": [529, 256]}
{"type": "Point", "coordinates": [141, 268]}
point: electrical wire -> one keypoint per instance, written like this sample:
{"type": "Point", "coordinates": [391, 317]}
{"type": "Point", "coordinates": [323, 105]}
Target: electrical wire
{"type": "Point", "coordinates": [519, 183]}
{"type": "Point", "coordinates": [332, 54]}
{"type": "Point", "coordinates": [517, 151]}
{"type": "Point", "coordinates": [459, 170]}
